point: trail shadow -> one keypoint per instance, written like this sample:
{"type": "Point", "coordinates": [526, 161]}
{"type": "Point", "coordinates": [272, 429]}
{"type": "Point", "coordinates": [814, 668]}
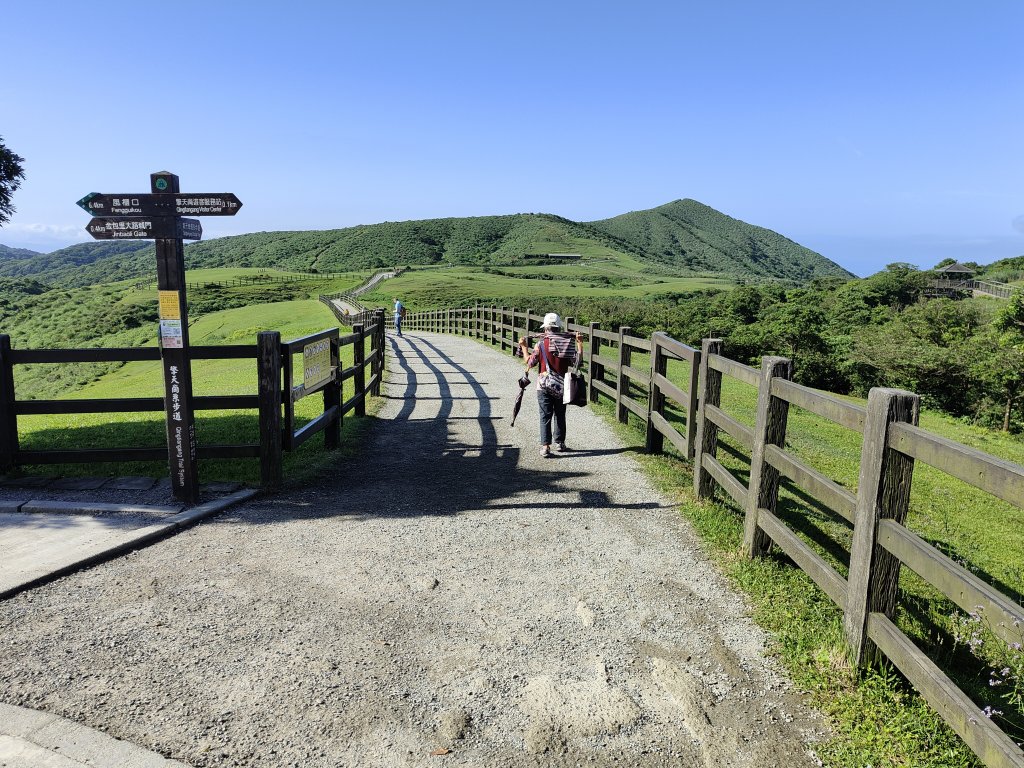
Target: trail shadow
{"type": "Point", "coordinates": [441, 455]}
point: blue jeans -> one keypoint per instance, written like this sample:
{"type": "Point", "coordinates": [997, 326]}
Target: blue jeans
{"type": "Point", "coordinates": [398, 324]}
{"type": "Point", "coordinates": [551, 407]}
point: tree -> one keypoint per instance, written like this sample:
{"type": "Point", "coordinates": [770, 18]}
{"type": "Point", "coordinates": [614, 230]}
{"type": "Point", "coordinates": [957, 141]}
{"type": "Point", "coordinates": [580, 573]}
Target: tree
{"type": "Point", "coordinates": [1003, 371]}
{"type": "Point", "coordinates": [11, 174]}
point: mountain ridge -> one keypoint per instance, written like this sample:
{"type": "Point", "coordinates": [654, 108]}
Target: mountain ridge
{"type": "Point", "coordinates": [683, 237]}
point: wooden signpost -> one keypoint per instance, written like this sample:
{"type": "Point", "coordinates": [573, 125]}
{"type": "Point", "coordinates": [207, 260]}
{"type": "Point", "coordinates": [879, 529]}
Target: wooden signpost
{"type": "Point", "coordinates": [158, 215]}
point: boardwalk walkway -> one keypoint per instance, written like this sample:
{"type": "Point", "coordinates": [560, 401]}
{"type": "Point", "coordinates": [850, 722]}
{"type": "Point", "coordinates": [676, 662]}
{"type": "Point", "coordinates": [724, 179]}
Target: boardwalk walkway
{"type": "Point", "coordinates": [449, 597]}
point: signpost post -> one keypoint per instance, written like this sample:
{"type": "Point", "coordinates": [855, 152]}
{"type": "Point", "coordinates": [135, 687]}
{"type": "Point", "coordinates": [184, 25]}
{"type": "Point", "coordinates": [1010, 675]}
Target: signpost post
{"type": "Point", "coordinates": [159, 216]}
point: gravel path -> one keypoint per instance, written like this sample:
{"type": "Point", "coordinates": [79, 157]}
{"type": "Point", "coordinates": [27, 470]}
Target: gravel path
{"type": "Point", "coordinates": [450, 598]}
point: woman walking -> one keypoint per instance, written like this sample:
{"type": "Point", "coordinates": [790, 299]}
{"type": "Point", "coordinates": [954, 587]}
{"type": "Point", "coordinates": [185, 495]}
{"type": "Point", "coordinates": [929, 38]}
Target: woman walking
{"type": "Point", "coordinates": [555, 354]}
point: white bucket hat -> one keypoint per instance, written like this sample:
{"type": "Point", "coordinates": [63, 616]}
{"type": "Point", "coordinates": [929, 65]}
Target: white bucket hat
{"type": "Point", "coordinates": [552, 320]}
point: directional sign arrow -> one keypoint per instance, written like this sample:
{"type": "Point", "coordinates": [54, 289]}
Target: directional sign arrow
{"type": "Point", "coordinates": [161, 204]}
{"type": "Point", "coordinates": [145, 228]}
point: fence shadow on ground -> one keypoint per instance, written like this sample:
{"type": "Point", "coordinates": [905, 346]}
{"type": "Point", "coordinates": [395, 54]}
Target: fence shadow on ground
{"type": "Point", "coordinates": [427, 459]}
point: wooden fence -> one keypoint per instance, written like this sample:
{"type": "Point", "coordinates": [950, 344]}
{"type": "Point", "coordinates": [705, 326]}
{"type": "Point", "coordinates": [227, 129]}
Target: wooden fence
{"type": "Point", "coordinates": [954, 287]}
{"type": "Point", "coordinates": [248, 280]}
{"type": "Point", "coordinates": [273, 360]}
{"type": "Point", "coordinates": [881, 544]}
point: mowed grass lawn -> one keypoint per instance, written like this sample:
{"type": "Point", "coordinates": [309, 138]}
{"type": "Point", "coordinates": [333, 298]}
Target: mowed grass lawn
{"type": "Point", "coordinates": [210, 377]}
{"type": "Point", "coordinates": [422, 289]}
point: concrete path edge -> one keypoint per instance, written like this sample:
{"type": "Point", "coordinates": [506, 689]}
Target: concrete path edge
{"type": "Point", "coordinates": [136, 539]}
{"type": "Point", "coordinates": [32, 737]}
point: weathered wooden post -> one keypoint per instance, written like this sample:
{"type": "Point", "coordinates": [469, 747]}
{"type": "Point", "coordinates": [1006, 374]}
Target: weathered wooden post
{"type": "Point", "coordinates": [693, 404]}
{"type": "Point", "coordinates": [478, 321]}
{"type": "Point", "coordinates": [501, 329]}
{"type": "Point", "coordinates": [594, 369]}
{"type": "Point", "coordinates": [883, 492]}
{"type": "Point", "coordinates": [358, 360]}
{"type": "Point", "coordinates": [769, 429]}
{"type": "Point", "coordinates": [268, 369]}
{"type": "Point", "coordinates": [333, 397]}
{"type": "Point", "coordinates": [174, 353]}
{"type": "Point", "coordinates": [655, 441]}
{"type": "Point", "coordinates": [622, 380]}
{"type": "Point", "coordinates": [710, 393]}
{"type": "Point", "coordinates": [8, 416]}
{"type": "Point", "coordinates": [526, 331]}
{"type": "Point", "coordinates": [377, 369]}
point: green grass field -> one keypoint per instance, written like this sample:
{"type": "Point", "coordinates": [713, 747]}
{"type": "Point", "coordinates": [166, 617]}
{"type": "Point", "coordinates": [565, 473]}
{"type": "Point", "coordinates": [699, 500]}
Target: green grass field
{"type": "Point", "coordinates": [612, 276]}
{"type": "Point", "coordinates": [211, 377]}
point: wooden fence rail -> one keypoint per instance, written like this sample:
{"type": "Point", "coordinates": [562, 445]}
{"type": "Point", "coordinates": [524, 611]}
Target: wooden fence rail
{"type": "Point", "coordinates": [273, 360]}
{"type": "Point", "coordinates": [881, 544]}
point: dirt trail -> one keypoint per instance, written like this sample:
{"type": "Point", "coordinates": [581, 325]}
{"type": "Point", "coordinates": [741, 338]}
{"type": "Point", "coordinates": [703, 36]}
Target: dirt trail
{"type": "Point", "coordinates": [449, 598]}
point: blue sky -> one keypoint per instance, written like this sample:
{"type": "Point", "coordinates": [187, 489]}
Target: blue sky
{"type": "Point", "coordinates": [871, 132]}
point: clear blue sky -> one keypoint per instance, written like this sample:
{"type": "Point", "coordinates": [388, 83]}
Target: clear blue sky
{"type": "Point", "coordinates": [871, 132]}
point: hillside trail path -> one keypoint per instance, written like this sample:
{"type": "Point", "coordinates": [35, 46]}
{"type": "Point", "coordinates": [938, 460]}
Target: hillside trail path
{"type": "Point", "coordinates": [447, 598]}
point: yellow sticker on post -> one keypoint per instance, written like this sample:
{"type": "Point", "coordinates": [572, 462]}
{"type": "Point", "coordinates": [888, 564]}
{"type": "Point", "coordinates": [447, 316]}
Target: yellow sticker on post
{"type": "Point", "coordinates": [170, 305]}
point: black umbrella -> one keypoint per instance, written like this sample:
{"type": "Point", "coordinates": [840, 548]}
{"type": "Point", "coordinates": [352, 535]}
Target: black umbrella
{"type": "Point", "coordinates": [524, 382]}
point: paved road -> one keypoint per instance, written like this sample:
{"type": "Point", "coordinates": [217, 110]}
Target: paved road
{"type": "Point", "coordinates": [449, 597]}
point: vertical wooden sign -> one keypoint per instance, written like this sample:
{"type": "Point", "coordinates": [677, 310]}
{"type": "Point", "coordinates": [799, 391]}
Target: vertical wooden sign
{"type": "Point", "coordinates": [175, 358]}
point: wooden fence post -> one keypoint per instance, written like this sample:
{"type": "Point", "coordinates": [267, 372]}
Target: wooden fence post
{"type": "Point", "coordinates": [501, 329]}
{"type": "Point", "coordinates": [709, 393]}
{"type": "Point", "coordinates": [268, 367]}
{"type": "Point", "coordinates": [769, 429]}
{"type": "Point", "coordinates": [883, 492]}
{"type": "Point", "coordinates": [594, 370]}
{"type": "Point", "coordinates": [655, 442]}
{"type": "Point", "coordinates": [490, 326]}
{"type": "Point", "coordinates": [377, 346]}
{"type": "Point", "coordinates": [477, 322]}
{"type": "Point", "coordinates": [333, 397]}
{"type": "Point", "coordinates": [693, 404]}
{"type": "Point", "coordinates": [622, 380]}
{"type": "Point", "coordinates": [526, 330]}
{"type": "Point", "coordinates": [358, 360]}
{"type": "Point", "coordinates": [8, 416]}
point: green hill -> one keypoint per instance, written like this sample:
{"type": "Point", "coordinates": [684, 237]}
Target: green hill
{"type": "Point", "coordinates": [687, 234]}
{"type": "Point", "coordinates": [16, 253]}
{"type": "Point", "coordinates": [82, 264]}
{"type": "Point", "coordinates": [684, 238]}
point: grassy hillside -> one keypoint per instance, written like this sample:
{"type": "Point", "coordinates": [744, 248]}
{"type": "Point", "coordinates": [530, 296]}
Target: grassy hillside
{"type": "Point", "coordinates": [211, 377]}
{"type": "Point", "coordinates": [83, 264]}
{"type": "Point", "coordinates": [689, 235]}
{"type": "Point", "coordinates": [16, 253]}
{"type": "Point", "coordinates": [119, 315]}
{"type": "Point", "coordinates": [684, 238]}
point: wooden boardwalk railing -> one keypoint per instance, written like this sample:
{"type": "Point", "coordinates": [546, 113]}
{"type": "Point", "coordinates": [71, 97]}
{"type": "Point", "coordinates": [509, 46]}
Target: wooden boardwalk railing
{"type": "Point", "coordinates": [273, 360]}
{"type": "Point", "coordinates": [881, 544]}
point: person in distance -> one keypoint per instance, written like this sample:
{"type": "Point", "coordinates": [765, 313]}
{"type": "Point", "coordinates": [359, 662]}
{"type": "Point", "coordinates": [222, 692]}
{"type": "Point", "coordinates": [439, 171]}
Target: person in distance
{"type": "Point", "coordinates": [554, 354]}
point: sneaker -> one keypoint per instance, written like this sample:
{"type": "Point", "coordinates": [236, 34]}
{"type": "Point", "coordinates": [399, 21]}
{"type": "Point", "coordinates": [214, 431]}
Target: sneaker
{"type": "Point", "coordinates": [545, 452]}
{"type": "Point", "coordinates": [562, 448]}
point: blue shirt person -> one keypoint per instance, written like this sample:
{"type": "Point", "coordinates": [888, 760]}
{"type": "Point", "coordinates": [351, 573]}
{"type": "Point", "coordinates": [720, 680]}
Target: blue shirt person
{"type": "Point", "coordinates": [399, 311]}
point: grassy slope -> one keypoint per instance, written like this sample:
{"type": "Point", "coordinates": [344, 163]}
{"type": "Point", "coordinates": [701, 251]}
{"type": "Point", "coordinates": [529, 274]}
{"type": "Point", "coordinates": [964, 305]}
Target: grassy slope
{"type": "Point", "coordinates": [211, 377]}
{"type": "Point", "coordinates": [683, 238]}
{"type": "Point", "coordinates": [524, 286]}
{"type": "Point", "coordinates": [691, 234]}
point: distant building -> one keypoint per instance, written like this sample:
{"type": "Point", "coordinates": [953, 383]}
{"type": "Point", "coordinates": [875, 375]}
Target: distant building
{"type": "Point", "coordinates": [954, 271]}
